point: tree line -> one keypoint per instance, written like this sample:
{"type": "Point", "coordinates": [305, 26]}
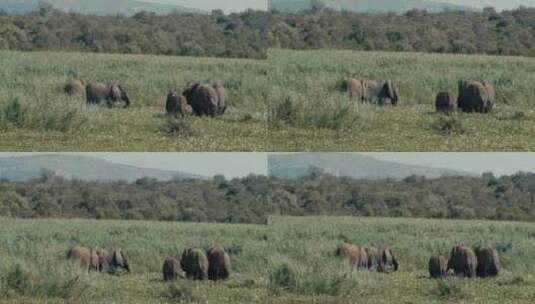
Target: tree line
{"type": "Point", "coordinates": [486, 32]}
{"type": "Point", "coordinates": [253, 199]}
{"type": "Point", "coordinates": [237, 35]}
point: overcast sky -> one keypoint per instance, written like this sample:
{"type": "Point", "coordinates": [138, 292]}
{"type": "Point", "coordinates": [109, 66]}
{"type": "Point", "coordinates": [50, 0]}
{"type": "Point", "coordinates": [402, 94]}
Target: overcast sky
{"type": "Point", "coordinates": [498, 4]}
{"type": "Point", "coordinates": [242, 164]}
{"type": "Point", "coordinates": [208, 164]}
{"type": "Point", "coordinates": [226, 5]}
{"type": "Point", "coordinates": [498, 163]}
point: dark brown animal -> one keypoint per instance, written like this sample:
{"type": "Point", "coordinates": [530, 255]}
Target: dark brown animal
{"type": "Point", "coordinates": [206, 99]}
{"type": "Point", "coordinates": [75, 87]}
{"type": "Point", "coordinates": [111, 93]}
{"type": "Point", "coordinates": [177, 105]}
{"type": "Point", "coordinates": [476, 96]}
{"type": "Point", "coordinates": [445, 102]}
{"type": "Point", "coordinates": [488, 262]}
{"type": "Point", "coordinates": [356, 255]}
{"type": "Point", "coordinates": [170, 269]}
{"type": "Point", "coordinates": [195, 264]}
{"type": "Point", "coordinates": [87, 257]}
{"type": "Point", "coordinates": [463, 261]}
{"type": "Point", "coordinates": [219, 261]}
{"type": "Point", "coordinates": [438, 266]}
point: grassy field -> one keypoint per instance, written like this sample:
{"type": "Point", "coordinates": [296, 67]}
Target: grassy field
{"type": "Point", "coordinates": [309, 112]}
{"type": "Point", "coordinates": [290, 260]}
{"type": "Point", "coordinates": [35, 115]}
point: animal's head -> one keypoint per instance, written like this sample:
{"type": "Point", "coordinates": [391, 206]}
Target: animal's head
{"type": "Point", "coordinates": [118, 93]}
{"type": "Point", "coordinates": [391, 92]}
{"type": "Point", "coordinates": [118, 260]}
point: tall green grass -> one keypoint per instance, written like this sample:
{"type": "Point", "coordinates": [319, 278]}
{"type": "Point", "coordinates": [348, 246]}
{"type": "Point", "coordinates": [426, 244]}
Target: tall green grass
{"type": "Point", "coordinates": [288, 260]}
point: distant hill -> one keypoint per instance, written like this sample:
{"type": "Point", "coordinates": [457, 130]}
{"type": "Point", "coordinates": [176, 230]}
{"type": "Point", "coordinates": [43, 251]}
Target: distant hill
{"type": "Point", "coordinates": [80, 167]}
{"type": "Point", "coordinates": [96, 7]}
{"type": "Point", "coordinates": [355, 166]}
{"type": "Point", "coordinates": [368, 6]}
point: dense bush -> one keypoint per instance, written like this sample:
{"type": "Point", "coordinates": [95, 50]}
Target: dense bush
{"type": "Point", "coordinates": [253, 198]}
{"type": "Point", "coordinates": [488, 32]}
{"type": "Point", "coordinates": [234, 35]}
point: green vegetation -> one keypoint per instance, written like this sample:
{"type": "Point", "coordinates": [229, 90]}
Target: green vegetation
{"type": "Point", "coordinates": [287, 261]}
{"type": "Point", "coordinates": [216, 35]}
{"type": "Point", "coordinates": [486, 32]}
{"type": "Point", "coordinates": [309, 112]}
{"type": "Point", "coordinates": [252, 199]}
{"type": "Point", "coordinates": [364, 6]}
{"type": "Point", "coordinates": [35, 114]}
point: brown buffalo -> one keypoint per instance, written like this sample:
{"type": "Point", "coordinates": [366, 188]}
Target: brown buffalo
{"type": "Point", "coordinates": [445, 102]}
{"type": "Point", "coordinates": [386, 259]}
{"type": "Point", "coordinates": [219, 261]}
{"type": "Point", "coordinates": [476, 96]}
{"type": "Point", "coordinates": [170, 269]}
{"type": "Point", "coordinates": [110, 93]}
{"type": "Point", "coordinates": [438, 266]}
{"type": "Point", "coordinates": [488, 262]}
{"type": "Point", "coordinates": [87, 257]}
{"type": "Point", "coordinates": [382, 91]}
{"type": "Point", "coordinates": [177, 105]}
{"type": "Point", "coordinates": [195, 264]}
{"type": "Point", "coordinates": [116, 261]}
{"type": "Point", "coordinates": [355, 88]}
{"type": "Point", "coordinates": [221, 97]}
{"type": "Point", "coordinates": [102, 256]}
{"type": "Point", "coordinates": [356, 255]}
{"type": "Point", "coordinates": [75, 87]}
{"type": "Point", "coordinates": [463, 261]}
{"type": "Point", "coordinates": [372, 255]}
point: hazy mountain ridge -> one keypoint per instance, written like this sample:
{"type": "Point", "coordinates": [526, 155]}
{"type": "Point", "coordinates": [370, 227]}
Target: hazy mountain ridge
{"type": "Point", "coordinates": [355, 166]}
{"type": "Point", "coordinates": [82, 168]}
{"type": "Point", "coordinates": [97, 7]}
{"type": "Point", "coordinates": [368, 6]}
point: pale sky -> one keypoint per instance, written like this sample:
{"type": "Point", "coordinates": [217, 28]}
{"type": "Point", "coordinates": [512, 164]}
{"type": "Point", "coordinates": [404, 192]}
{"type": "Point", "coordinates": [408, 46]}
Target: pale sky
{"type": "Point", "coordinates": [226, 5]}
{"type": "Point", "coordinates": [498, 163]}
{"type": "Point", "coordinates": [242, 164]}
{"type": "Point", "coordinates": [498, 4]}
{"type": "Point", "coordinates": [207, 164]}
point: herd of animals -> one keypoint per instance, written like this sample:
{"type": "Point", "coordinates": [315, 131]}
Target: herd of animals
{"type": "Point", "coordinates": [473, 96]}
{"type": "Point", "coordinates": [199, 99]}
{"type": "Point", "coordinates": [482, 261]}
{"type": "Point", "coordinates": [214, 263]}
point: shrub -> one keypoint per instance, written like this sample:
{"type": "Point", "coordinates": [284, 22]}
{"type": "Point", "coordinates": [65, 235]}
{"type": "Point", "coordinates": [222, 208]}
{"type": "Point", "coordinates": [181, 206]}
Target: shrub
{"type": "Point", "coordinates": [177, 126]}
{"type": "Point", "coordinates": [450, 125]}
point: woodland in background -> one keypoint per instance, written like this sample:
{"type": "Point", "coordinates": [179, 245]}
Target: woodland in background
{"type": "Point", "coordinates": [486, 32]}
{"type": "Point", "coordinates": [252, 199]}
{"type": "Point", "coordinates": [235, 35]}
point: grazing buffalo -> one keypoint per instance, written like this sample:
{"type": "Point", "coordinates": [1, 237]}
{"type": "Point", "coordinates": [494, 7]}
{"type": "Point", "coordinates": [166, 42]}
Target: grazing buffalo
{"type": "Point", "coordinates": [438, 266]}
{"type": "Point", "coordinates": [445, 102]}
{"type": "Point", "coordinates": [195, 264]}
{"type": "Point", "coordinates": [110, 93]}
{"type": "Point", "coordinates": [463, 261]}
{"type": "Point", "coordinates": [170, 269]}
{"type": "Point", "coordinates": [488, 262]}
{"type": "Point", "coordinates": [476, 96]}
{"type": "Point", "coordinates": [87, 257]}
{"type": "Point", "coordinates": [356, 255]}
{"type": "Point", "coordinates": [219, 261]}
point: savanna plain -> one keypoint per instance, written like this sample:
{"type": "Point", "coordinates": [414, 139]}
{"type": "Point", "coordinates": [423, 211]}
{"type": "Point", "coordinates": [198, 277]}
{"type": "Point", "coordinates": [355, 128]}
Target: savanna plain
{"type": "Point", "coordinates": [36, 114]}
{"type": "Point", "coordinates": [288, 260]}
{"type": "Point", "coordinates": [309, 110]}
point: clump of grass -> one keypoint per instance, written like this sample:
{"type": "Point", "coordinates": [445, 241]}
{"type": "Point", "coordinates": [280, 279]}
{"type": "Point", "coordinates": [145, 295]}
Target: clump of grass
{"type": "Point", "coordinates": [41, 113]}
{"type": "Point", "coordinates": [451, 289]}
{"type": "Point", "coordinates": [304, 278]}
{"type": "Point", "coordinates": [177, 126]}
{"type": "Point", "coordinates": [294, 111]}
{"type": "Point", "coordinates": [181, 293]}
{"type": "Point", "coordinates": [41, 279]}
{"type": "Point", "coordinates": [450, 125]}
